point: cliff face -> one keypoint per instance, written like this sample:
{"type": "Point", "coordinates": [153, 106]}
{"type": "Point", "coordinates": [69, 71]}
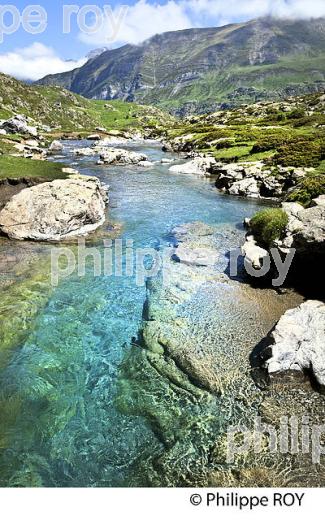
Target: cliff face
{"type": "Point", "coordinates": [198, 70]}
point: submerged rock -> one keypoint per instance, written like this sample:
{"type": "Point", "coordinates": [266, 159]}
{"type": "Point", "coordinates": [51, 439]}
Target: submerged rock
{"type": "Point", "coordinates": [55, 210]}
{"type": "Point", "coordinates": [297, 342]}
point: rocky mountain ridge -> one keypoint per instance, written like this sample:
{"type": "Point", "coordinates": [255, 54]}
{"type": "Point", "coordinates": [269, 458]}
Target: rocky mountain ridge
{"type": "Point", "coordinates": [200, 70]}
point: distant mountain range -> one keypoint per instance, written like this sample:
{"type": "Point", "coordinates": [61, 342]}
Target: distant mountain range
{"type": "Point", "coordinates": [199, 70]}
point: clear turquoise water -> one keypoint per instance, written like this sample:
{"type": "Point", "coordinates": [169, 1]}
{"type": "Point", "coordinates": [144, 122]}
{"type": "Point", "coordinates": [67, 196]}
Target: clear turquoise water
{"type": "Point", "coordinates": [68, 431]}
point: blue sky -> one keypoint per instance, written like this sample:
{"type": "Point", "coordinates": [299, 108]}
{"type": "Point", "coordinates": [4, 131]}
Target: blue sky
{"type": "Point", "coordinates": [30, 56]}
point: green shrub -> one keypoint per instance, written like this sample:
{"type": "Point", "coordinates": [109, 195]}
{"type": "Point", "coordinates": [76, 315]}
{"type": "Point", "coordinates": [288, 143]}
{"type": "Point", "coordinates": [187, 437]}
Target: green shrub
{"type": "Point", "coordinates": [309, 188]}
{"type": "Point", "coordinates": [298, 113]}
{"type": "Point", "coordinates": [269, 225]}
{"type": "Point", "coordinates": [302, 152]}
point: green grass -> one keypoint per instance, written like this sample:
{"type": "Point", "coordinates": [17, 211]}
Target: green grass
{"type": "Point", "coordinates": [269, 225]}
{"type": "Point", "coordinates": [18, 167]}
{"type": "Point", "coordinates": [121, 116]}
{"type": "Point", "coordinates": [66, 112]}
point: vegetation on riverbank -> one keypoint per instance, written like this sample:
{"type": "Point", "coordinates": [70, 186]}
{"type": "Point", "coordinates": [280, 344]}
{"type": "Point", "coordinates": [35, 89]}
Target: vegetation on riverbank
{"type": "Point", "coordinates": [288, 133]}
{"type": "Point", "coordinates": [269, 225]}
{"type": "Point", "coordinates": [18, 167]}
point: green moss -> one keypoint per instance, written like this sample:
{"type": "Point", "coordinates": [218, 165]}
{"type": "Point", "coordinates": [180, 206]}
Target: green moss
{"type": "Point", "coordinates": [269, 225]}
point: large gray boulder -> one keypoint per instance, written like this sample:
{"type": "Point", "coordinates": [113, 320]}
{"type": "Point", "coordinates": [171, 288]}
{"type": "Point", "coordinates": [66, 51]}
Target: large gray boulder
{"type": "Point", "coordinates": [246, 188]}
{"type": "Point", "coordinates": [55, 210]}
{"type": "Point", "coordinates": [56, 146]}
{"type": "Point", "coordinates": [298, 342]}
{"type": "Point", "coordinates": [19, 125]}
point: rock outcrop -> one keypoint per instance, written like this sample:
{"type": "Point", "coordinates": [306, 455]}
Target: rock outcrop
{"type": "Point", "coordinates": [306, 228]}
{"type": "Point", "coordinates": [256, 180]}
{"type": "Point", "coordinates": [305, 236]}
{"type": "Point", "coordinates": [55, 210]}
{"type": "Point", "coordinates": [203, 166]}
{"type": "Point", "coordinates": [19, 125]}
{"type": "Point", "coordinates": [297, 343]}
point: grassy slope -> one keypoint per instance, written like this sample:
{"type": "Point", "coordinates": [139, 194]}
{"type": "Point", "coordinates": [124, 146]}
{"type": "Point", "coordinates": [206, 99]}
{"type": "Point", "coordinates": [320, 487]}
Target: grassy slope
{"type": "Point", "coordinates": [64, 111]}
{"type": "Point", "coordinates": [261, 131]}
{"type": "Point", "coordinates": [269, 81]}
{"type": "Point", "coordinates": [18, 167]}
{"type": "Point", "coordinates": [289, 133]}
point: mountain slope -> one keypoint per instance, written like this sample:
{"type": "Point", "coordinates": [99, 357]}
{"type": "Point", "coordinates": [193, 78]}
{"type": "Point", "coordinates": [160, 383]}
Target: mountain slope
{"type": "Point", "coordinates": [198, 70]}
{"type": "Point", "coordinates": [63, 111]}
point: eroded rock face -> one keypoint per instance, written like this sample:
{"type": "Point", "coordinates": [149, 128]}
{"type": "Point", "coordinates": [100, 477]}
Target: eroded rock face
{"type": "Point", "coordinates": [304, 237]}
{"type": "Point", "coordinates": [55, 210]}
{"type": "Point", "coordinates": [203, 166]}
{"type": "Point", "coordinates": [298, 342]}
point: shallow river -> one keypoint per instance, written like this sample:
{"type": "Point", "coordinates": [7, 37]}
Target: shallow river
{"type": "Point", "coordinates": [59, 384]}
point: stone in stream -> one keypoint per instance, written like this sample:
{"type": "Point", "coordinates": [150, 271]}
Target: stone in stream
{"type": "Point", "coordinates": [55, 210]}
{"type": "Point", "coordinates": [85, 152]}
{"type": "Point", "coordinates": [93, 137]}
{"type": "Point", "coordinates": [56, 146]}
{"type": "Point", "coordinates": [121, 156]}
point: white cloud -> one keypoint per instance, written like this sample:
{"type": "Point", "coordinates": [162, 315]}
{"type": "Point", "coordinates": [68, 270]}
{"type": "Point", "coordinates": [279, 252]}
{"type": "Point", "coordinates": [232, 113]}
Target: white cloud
{"type": "Point", "coordinates": [35, 62]}
{"type": "Point", "coordinates": [141, 21]}
{"type": "Point", "coordinates": [144, 19]}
